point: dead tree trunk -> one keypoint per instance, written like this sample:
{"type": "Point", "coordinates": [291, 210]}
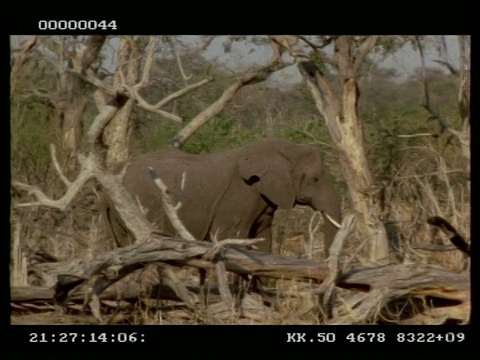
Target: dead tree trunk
{"type": "Point", "coordinates": [69, 99]}
{"type": "Point", "coordinates": [116, 133]}
{"type": "Point", "coordinates": [340, 112]}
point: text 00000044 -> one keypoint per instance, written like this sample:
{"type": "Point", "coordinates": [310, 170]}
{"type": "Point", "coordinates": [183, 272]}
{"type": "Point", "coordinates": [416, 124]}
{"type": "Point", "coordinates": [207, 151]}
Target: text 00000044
{"type": "Point", "coordinates": [77, 25]}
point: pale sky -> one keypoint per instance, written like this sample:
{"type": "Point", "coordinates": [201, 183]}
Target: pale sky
{"type": "Point", "coordinates": [405, 60]}
{"type": "Point", "coordinates": [243, 54]}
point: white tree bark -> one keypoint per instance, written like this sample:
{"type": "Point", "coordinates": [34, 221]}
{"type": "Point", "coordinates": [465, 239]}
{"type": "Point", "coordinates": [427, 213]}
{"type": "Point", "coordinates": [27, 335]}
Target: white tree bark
{"type": "Point", "coordinates": [340, 113]}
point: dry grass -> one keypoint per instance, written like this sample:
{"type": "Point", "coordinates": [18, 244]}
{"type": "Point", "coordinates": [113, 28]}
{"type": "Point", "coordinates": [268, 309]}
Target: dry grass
{"type": "Point", "coordinates": [418, 193]}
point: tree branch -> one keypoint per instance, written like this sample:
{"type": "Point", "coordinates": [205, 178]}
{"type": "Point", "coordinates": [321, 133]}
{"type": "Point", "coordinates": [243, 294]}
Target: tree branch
{"type": "Point", "coordinates": [170, 209]}
{"type": "Point", "coordinates": [105, 114]}
{"type": "Point", "coordinates": [179, 60]}
{"type": "Point", "coordinates": [57, 167]}
{"type": "Point", "coordinates": [91, 168]}
{"type": "Point", "coordinates": [326, 291]}
{"type": "Point", "coordinates": [132, 92]}
{"type": "Point", "coordinates": [317, 83]}
{"type": "Point", "coordinates": [147, 69]}
{"type": "Point", "coordinates": [86, 174]}
{"type": "Point", "coordinates": [25, 53]}
{"type": "Point", "coordinates": [85, 56]}
{"type": "Point", "coordinates": [314, 46]}
{"type": "Point", "coordinates": [449, 66]}
{"type": "Point", "coordinates": [462, 136]}
{"type": "Point", "coordinates": [452, 234]}
{"type": "Point", "coordinates": [146, 106]}
{"type": "Point", "coordinates": [182, 92]}
{"type": "Point", "coordinates": [217, 247]}
{"type": "Point", "coordinates": [365, 47]}
{"type": "Point", "coordinates": [213, 109]}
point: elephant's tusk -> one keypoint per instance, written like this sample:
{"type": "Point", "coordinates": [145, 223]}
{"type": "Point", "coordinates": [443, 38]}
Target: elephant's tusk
{"type": "Point", "coordinates": [336, 224]}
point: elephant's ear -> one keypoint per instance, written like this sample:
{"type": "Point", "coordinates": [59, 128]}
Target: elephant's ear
{"type": "Point", "coordinates": [271, 175]}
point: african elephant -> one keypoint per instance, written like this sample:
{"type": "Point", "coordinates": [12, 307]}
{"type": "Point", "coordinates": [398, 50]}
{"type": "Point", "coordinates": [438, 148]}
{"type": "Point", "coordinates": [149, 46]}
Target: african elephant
{"type": "Point", "coordinates": [233, 193]}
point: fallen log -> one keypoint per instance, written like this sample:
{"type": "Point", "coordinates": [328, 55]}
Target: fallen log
{"type": "Point", "coordinates": [119, 291]}
{"type": "Point", "coordinates": [124, 295]}
{"type": "Point", "coordinates": [413, 278]}
{"type": "Point", "coordinates": [419, 279]}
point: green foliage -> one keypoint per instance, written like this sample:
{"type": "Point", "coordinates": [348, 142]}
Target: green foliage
{"type": "Point", "coordinates": [31, 130]}
{"type": "Point", "coordinates": [390, 108]}
{"type": "Point", "coordinates": [321, 64]}
{"type": "Point", "coordinates": [389, 44]}
{"type": "Point", "coordinates": [312, 131]}
{"type": "Point", "coordinates": [217, 135]}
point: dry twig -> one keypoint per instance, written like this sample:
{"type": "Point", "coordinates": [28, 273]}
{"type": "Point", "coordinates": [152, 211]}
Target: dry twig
{"type": "Point", "coordinates": [170, 209]}
{"type": "Point", "coordinates": [326, 291]}
{"type": "Point", "coordinates": [453, 235]}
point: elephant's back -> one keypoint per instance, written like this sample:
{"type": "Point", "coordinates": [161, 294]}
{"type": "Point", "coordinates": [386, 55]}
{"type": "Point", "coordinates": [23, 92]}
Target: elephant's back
{"type": "Point", "coordinates": [205, 180]}
{"type": "Point", "coordinates": [166, 153]}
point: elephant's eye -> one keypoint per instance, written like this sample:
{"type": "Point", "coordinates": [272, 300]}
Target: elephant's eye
{"type": "Point", "coordinates": [315, 179]}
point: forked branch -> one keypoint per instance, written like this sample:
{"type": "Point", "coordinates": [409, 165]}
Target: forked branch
{"type": "Point", "coordinates": [213, 109]}
{"type": "Point", "coordinates": [91, 169]}
{"type": "Point", "coordinates": [170, 209]}
{"type": "Point", "coordinates": [124, 88]}
{"type": "Point", "coordinates": [20, 61]}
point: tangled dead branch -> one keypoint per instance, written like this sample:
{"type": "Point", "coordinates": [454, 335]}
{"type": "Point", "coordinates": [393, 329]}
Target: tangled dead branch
{"type": "Point", "coordinates": [327, 288]}
{"type": "Point", "coordinates": [383, 283]}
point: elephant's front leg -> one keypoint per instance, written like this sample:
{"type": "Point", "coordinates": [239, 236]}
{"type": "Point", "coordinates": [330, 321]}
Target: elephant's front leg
{"type": "Point", "coordinates": [265, 232]}
{"type": "Point", "coordinates": [261, 228]}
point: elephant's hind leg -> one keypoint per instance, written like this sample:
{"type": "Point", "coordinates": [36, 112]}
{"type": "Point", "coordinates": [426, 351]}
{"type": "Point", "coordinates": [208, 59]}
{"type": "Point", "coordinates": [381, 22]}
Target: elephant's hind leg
{"type": "Point", "coordinates": [240, 285]}
{"type": "Point", "coordinates": [244, 284]}
{"type": "Point", "coordinates": [269, 297]}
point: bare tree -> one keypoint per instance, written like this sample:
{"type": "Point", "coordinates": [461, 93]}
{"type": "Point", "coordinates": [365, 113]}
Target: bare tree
{"type": "Point", "coordinates": [462, 75]}
{"type": "Point", "coordinates": [253, 77]}
{"type": "Point", "coordinates": [135, 59]}
{"type": "Point", "coordinates": [77, 64]}
{"type": "Point", "coordinates": [127, 83]}
{"type": "Point", "coordinates": [68, 96]}
{"type": "Point", "coordinates": [338, 105]}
